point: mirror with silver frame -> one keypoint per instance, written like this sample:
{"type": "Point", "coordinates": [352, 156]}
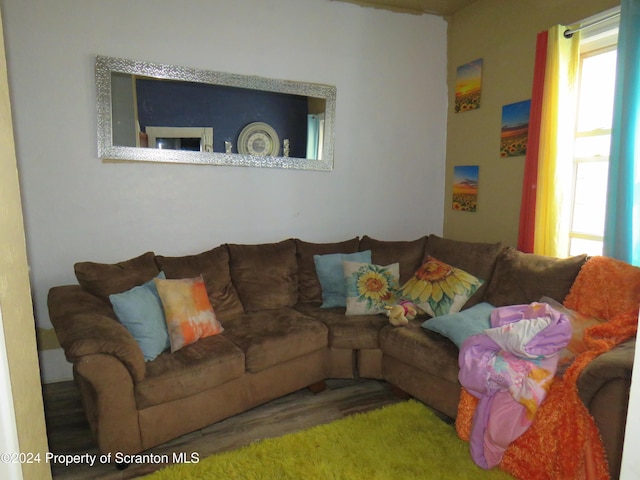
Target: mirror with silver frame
{"type": "Point", "coordinates": [165, 113]}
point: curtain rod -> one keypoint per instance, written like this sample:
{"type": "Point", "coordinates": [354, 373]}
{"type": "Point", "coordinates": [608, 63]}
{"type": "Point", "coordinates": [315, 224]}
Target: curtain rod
{"type": "Point", "coordinates": [568, 33]}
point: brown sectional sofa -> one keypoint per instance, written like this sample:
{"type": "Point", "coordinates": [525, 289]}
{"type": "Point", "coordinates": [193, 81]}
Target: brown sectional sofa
{"type": "Point", "coordinates": [278, 340]}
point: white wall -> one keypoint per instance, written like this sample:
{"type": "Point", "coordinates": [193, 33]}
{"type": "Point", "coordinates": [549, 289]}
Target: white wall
{"type": "Point", "coordinates": [390, 74]}
{"type": "Point", "coordinates": [630, 468]}
{"type": "Point", "coordinates": [9, 433]}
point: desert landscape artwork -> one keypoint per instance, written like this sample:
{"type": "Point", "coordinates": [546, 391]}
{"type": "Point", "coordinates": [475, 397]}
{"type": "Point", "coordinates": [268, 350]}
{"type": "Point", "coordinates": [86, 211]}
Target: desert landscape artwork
{"type": "Point", "coordinates": [515, 129]}
{"type": "Point", "coordinates": [465, 188]}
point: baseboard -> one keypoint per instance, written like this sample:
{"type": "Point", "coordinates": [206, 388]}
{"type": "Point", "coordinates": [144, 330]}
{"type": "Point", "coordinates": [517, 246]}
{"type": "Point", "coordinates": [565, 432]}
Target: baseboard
{"type": "Point", "coordinates": [54, 366]}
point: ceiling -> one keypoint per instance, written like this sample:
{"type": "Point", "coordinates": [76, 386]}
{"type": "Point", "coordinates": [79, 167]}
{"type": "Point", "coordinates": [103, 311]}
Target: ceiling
{"type": "Point", "coordinates": [435, 7]}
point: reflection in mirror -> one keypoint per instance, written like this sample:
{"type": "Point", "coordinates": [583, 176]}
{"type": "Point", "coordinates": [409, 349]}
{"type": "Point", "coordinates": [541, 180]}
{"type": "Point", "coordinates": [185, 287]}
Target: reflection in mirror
{"type": "Point", "coordinates": [163, 113]}
{"type": "Point", "coordinates": [196, 139]}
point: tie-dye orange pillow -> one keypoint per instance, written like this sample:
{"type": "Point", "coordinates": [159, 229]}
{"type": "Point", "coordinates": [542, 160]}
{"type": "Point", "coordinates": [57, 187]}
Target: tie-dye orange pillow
{"type": "Point", "coordinates": [187, 311]}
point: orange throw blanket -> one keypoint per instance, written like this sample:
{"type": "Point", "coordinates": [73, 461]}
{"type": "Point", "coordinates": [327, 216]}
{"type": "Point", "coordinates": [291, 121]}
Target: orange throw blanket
{"type": "Point", "coordinates": [563, 441]}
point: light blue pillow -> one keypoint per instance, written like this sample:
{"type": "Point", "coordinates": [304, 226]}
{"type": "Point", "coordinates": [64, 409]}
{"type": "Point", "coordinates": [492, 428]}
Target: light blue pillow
{"type": "Point", "coordinates": [140, 310]}
{"type": "Point", "coordinates": [331, 275]}
{"type": "Point", "coordinates": [457, 327]}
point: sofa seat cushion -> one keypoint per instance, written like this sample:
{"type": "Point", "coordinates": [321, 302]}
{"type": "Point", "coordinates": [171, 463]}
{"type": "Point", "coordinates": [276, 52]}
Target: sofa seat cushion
{"type": "Point", "coordinates": [353, 331]}
{"type": "Point", "coordinates": [422, 349]}
{"type": "Point", "coordinates": [205, 364]}
{"type": "Point", "coordinates": [271, 337]}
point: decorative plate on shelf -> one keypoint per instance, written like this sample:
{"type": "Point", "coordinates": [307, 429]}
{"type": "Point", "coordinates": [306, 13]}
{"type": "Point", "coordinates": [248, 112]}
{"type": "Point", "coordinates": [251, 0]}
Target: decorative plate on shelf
{"type": "Point", "coordinates": [260, 139]}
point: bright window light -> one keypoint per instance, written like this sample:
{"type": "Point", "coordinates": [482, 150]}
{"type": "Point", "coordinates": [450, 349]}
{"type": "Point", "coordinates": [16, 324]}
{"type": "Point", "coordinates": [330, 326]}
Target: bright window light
{"type": "Point", "coordinates": [592, 145]}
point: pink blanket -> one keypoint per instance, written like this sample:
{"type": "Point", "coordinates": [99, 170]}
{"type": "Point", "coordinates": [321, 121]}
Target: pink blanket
{"type": "Point", "coordinates": [509, 368]}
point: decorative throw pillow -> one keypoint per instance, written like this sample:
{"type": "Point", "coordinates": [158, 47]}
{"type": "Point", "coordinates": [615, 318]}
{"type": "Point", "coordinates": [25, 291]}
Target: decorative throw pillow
{"type": "Point", "coordinates": [213, 265]}
{"type": "Point", "coordinates": [477, 258]}
{"type": "Point", "coordinates": [604, 288]}
{"type": "Point", "coordinates": [140, 311]}
{"type": "Point", "coordinates": [369, 288]}
{"type": "Point", "coordinates": [438, 288]}
{"type": "Point", "coordinates": [187, 310]}
{"type": "Point", "coordinates": [331, 275]}
{"type": "Point", "coordinates": [457, 327]}
{"type": "Point", "coordinates": [309, 288]}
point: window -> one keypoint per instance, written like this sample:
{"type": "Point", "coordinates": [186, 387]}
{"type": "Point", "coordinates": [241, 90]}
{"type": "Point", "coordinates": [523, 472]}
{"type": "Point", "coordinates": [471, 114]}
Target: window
{"type": "Point", "coordinates": [592, 140]}
{"type": "Point", "coordinates": [197, 139]}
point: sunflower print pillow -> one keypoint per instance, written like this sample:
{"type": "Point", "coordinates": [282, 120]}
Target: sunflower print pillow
{"type": "Point", "coordinates": [370, 287]}
{"type": "Point", "coordinates": [438, 288]}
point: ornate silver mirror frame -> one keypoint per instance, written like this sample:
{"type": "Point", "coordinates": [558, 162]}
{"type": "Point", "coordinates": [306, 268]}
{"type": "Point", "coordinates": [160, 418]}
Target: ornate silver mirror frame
{"type": "Point", "coordinates": [106, 66]}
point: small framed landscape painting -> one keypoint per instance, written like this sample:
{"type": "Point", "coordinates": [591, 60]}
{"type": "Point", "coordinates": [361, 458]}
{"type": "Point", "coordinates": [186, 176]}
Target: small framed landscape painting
{"type": "Point", "coordinates": [468, 86]}
{"type": "Point", "coordinates": [514, 132]}
{"type": "Point", "coordinates": [465, 188]}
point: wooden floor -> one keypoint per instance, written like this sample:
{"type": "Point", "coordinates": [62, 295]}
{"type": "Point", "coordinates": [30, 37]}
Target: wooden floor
{"type": "Point", "coordinates": [69, 432]}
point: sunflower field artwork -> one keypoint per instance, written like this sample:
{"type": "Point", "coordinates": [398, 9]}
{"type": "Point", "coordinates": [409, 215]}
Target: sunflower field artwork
{"type": "Point", "coordinates": [465, 188]}
{"type": "Point", "coordinates": [468, 86]}
{"type": "Point", "coordinates": [515, 129]}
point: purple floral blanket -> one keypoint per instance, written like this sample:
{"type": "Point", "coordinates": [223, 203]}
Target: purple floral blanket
{"type": "Point", "coordinates": [509, 368]}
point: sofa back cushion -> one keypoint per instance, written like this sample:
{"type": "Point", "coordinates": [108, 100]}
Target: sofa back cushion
{"type": "Point", "coordinates": [265, 275]}
{"type": "Point", "coordinates": [213, 265]}
{"type": "Point", "coordinates": [104, 279]}
{"type": "Point", "coordinates": [309, 288]}
{"type": "Point", "coordinates": [521, 278]}
{"type": "Point", "coordinates": [477, 258]}
{"type": "Point", "coordinates": [409, 254]}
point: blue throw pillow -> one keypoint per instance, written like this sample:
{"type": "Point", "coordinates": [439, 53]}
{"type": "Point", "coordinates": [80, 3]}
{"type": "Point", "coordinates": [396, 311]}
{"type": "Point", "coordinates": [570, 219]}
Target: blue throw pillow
{"type": "Point", "coordinates": [331, 276]}
{"type": "Point", "coordinates": [140, 310]}
{"type": "Point", "coordinates": [457, 327]}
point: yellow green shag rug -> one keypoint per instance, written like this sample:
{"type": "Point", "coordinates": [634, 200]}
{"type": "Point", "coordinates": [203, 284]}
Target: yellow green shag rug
{"type": "Point", "coordinates": [403, 441]}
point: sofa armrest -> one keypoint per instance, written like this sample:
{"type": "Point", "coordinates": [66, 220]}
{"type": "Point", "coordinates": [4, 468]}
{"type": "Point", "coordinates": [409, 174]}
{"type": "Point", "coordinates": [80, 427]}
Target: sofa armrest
{"type": "Point", "coordinates": [86, 325]}
{"type": "Point", "coordinates": [614, 365]}
{"type": "Point", "coordinates": [107, 393]}
{"type": "Point", "coordinates": [604, 386]}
